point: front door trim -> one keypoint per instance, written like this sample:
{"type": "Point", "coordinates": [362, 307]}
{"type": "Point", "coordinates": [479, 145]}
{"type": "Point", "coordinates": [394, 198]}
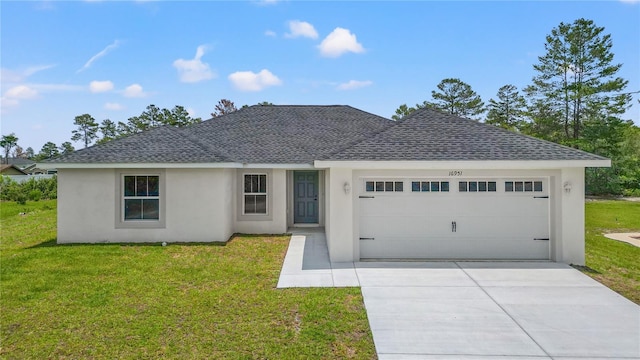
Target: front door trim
{"type": "Point", "coordinates": [306, 197]}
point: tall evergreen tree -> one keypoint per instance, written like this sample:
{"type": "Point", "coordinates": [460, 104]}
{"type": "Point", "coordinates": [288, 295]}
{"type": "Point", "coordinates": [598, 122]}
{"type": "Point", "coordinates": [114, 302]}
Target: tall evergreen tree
{"type": "Point", "coordinates": [577, 76]}
{"type": "Point", "coordinates": [455, 97]}
{"type": "Point", "coordinates": [402, 111]}
{"type": "Point", "coordinates": [66, 148]}
{"type": "Point", "coordinates": [7, 143]}
{"type": "Point", "coordinates": [86, 131]}
{"type": "Point", "coordinates": [224, 106]}
{"type": "Point", "coordinates": [108, 130]}
{"type": "Point", "coordinates": [508, 111]}
{"type": "Point", "coordinates": [49, 151]}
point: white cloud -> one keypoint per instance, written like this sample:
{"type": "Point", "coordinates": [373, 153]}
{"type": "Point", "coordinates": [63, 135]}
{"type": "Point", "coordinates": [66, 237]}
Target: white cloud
{"type": "Point", "coordinates": [191, 112]}
{"type": "Point", "coordinates": [299, 28]}
{"type": "Point", "coordinates": [630, 1]}
{"type": "Point", "coordinates": [339, 42]}
{"type": "Point", "coordinates": [250, 81]}
{"type": "Point", "coordinates": [100, 86]}
{"type": "Point", "coordinates": [113, 106]}
{"type": "Point", "coordinates": [12, 97]}
{"type": "Point", "coordinates": [354, 84]}
{"type": "Point", "coordinates": [191, 71]}
{"type": "Point", "coordinates": [97, 56]}
{"type": "Point", "coordinates": [134, 91]}
{"type": "Point", "coordinates": [16, 76]}
{"type": "Point", "coordinates": [267, 2]}
{"type": "Point", "coordinates": [270, 33]}
{"type": "Point", "coordinates": [21, 92]}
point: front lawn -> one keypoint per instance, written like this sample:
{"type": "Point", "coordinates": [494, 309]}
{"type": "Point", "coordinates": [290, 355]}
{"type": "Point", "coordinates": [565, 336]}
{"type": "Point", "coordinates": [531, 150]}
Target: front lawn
{"type": "Point", "coordinates": [614, 263]}
{"type": "Point", "coordinates": [148, 301]}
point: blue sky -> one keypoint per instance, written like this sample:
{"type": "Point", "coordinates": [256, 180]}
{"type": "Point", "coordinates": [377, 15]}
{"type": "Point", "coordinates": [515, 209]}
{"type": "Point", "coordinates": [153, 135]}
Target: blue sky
{"type": "Point", "coordinates": [111, 58]}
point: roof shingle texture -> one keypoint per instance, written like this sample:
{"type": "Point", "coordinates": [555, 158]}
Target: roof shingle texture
{"type": "Point", "coordinates": [290, 134]}
{"type": "Point", "coordinates": [430, 135]}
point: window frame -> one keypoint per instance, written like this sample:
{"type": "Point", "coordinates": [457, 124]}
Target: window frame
{"type": "Point", "coordinates": [120, 200]}
{"type": "Point", "coordinates": [239, 195]}
{"type": "Point", "coordinates": [258, 193]}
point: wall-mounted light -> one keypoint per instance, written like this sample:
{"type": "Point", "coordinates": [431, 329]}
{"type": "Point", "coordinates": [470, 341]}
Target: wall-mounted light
{"type": "Point", "coordinates": [347, 187]}
{"type": "Point", "coordinates": [567, 187]}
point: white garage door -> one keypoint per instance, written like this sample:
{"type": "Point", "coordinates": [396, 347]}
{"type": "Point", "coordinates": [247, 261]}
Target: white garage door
{"type": "Point", "coordinates": [454, 219]}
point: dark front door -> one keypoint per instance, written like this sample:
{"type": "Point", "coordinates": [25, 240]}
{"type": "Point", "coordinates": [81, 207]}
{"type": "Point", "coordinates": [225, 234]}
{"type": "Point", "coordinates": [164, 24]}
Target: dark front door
{"type": "Point", "coordinates": [305, 197]}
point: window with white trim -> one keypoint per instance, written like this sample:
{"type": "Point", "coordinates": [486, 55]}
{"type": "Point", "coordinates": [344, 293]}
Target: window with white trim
{"type": "Point", "coordinates": [430, 186]}
{"type": "Point", "coordinates": [255, 194]}
{"type": "Point", "coordinates": [477, 186]}
{"type": "Point", "coordinates": [141, 198]}
{"type": "Point", "coordinates": [523, 186]}
{"type": "Point", "coordinates": [384, 186]}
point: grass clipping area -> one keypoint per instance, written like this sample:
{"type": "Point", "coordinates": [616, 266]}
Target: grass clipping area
{"type": "Point", "coordinates": [148, 301]}
{"type": "Point", "coordinates": [614, 263]}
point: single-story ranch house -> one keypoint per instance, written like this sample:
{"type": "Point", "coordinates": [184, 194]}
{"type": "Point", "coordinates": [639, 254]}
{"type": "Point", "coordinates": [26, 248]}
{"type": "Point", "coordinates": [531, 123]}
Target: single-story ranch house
{"type": "Point", "coordinates": [431, 186]}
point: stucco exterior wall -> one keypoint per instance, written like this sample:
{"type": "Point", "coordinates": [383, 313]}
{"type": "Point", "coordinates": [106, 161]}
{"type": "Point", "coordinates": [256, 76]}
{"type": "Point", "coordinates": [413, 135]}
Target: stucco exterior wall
{"type": "Point", "coordinates": [197, 203]}
{"type": "Point", "coordinates": [340, 217]}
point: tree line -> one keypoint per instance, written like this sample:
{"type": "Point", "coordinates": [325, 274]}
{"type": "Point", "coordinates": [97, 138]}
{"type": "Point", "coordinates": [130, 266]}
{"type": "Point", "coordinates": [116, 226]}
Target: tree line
{"type": "Point", "coordinates": [88, 131]}
{"type": "Point", "coordinates": [575, 99]}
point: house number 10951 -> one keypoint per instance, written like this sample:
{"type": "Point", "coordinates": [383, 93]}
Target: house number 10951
{"type": "Point", "coordinates": [455, 173]}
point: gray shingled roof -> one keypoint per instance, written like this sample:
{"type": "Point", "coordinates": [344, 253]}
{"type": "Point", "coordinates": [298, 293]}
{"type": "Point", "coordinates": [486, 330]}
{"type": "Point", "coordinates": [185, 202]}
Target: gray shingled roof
{"type": "Point", "coordinates": [291, 134]}
{"type": "Point", "coordinates": [431, 135]}
{"type": "Point", "coordinates": [164, 144]}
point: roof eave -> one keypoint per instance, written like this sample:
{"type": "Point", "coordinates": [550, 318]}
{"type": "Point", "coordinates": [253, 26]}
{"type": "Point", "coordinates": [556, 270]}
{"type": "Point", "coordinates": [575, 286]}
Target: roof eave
{"type": "Point", "coordinates": [464, 164]}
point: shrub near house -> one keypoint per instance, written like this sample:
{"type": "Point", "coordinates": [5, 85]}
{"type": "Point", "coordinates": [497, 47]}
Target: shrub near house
{"type": "Point", "coordinates": [32, 189]}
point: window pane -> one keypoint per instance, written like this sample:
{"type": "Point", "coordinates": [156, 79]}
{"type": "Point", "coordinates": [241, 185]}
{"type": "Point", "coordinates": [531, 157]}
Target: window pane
{"type": "Point", "coordinates": [369, 186]}
{"type": "Point", "coordinates": [415, 186]}
{"type": "Point", "coordinates": [388, 186]}
{"type": "Point", "coordinates": [141, 186]}
{"type": "Point", "coordinates": [508, 186]}
{"type": "Point", "coordinates": [519, 186]}
{"type": "Point", "coordinates": [425, 186]}
{"type": "Point", "coordinates": [250, 204]}
{"type": "Point", "coordinates": [462, 186]}
{"type": "Point", "coordinates": [473, 186]}
{"type": "Point", "coordinates": [528, 186]}
{"type": "Point", "coordinates": [247, 183]}
{"type": "Point", "coordinates": [129, 186]}
{"type": "Point", "coordinates": [435, 186]}
{"type": "Point", "coordinates": [537, 186]}
{"type": "Point", "coordinates": [261, 204]}
{"type": "Point", "coordinates": [151, 209]}
{"type": "Point", "coordinates": [379, 185]}
{"type": "Point", "coordinates": [254, 183]}
{"type": "Point", "coordinates": [262, 184]}
{"type": "Point", "coordinates": [132, 209]}
{"type": "Point", "coordinates": [153, 184]}
{"type": "Point", "coordinates": [399, 186]}
{"type": "Point", "coordinates": [444, 186]}
{"type": "Point", "coordinates": [482, 186]}
{"type": "Point", "coordinates": [491, 185]}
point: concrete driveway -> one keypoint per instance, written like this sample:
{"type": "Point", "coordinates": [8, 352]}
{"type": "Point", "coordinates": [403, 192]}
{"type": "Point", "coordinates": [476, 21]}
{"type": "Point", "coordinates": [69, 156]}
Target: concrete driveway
{"type": "Point", "coordinates": [495, 310]}
{"type": "Point", "coordinates": [475, 310]}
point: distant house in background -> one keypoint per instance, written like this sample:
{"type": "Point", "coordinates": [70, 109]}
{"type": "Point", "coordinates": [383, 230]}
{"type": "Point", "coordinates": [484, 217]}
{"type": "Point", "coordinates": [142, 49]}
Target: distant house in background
{"type": "Point", "coordinates": [9, 169]}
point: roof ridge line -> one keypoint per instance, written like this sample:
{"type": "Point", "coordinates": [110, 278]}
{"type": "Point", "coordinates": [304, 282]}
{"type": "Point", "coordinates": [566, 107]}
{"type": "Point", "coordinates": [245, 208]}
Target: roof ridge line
{"type": "Point", "coordinates": [196, 141]}
{"type": "Point", "coordinates": [369, 136]}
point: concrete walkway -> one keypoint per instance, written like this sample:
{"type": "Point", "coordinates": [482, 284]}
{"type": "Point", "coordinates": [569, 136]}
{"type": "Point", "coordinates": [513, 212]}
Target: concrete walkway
{"type": "Point", "coordinates": [475, 310]}
{"type": "Point", "coordinates": [630, 238]}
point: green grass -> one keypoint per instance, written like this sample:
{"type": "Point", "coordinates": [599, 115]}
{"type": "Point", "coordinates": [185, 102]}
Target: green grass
{"type": "Point", "coordinates": [614, 263]}
{"type": "Point", "coordinates": [148, 301]}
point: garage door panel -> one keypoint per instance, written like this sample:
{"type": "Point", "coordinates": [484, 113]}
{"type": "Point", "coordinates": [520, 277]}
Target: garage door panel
{"type": "Point", "coordinates": [506, 226]}
{"type": "Point", "coordinates": [402, 205]}
{"type": "Point", "coordinates": [412, 226]}
{"type": "Point", "coordinates": [454, 248]}
{"type": "Point", "coordinates": [455, 224]}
